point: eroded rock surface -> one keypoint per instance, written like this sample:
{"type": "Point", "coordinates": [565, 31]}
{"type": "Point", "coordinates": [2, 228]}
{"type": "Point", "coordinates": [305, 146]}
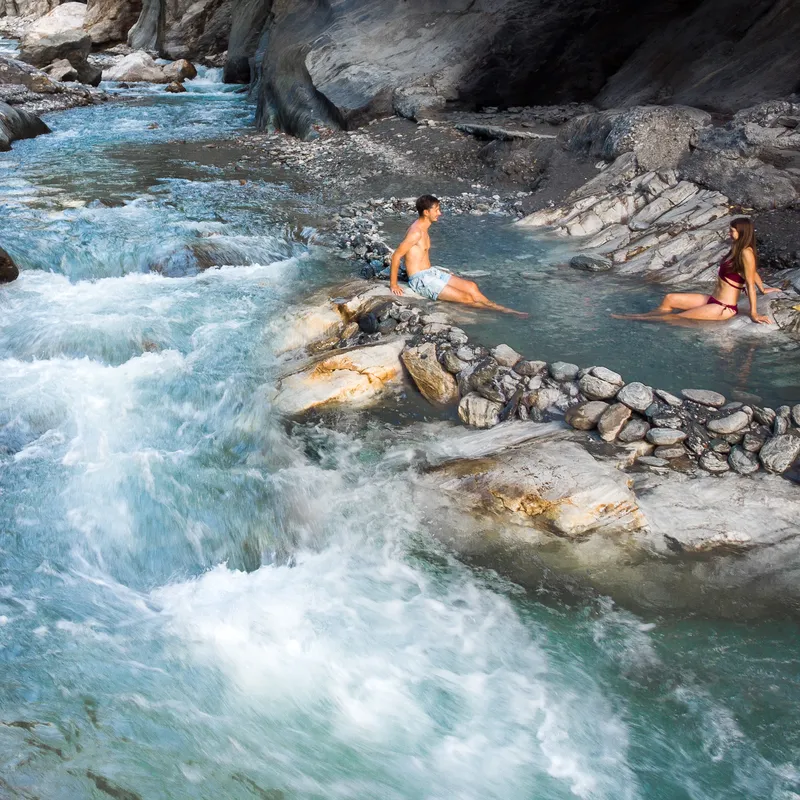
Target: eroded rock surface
{"type": "Point", "coordinates": [554, 485]}
{"type": "Point", "coordinates": [357, 377]}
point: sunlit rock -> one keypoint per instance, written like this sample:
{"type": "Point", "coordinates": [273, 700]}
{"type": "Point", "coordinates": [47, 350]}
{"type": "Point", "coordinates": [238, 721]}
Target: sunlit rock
{"type": "Point", "coordinates": [357, 377]}
{"type": "Point", "coordinates": [435, 383]}
{"type": "Point", "coordinates": [554, 485]}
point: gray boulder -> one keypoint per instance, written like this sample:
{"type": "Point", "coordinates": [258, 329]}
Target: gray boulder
{"type": "Point", "coordinates": [742, 461]}
{"type": "Point", "coordinates": [138, 67]}
{"type": "Point", "coordinates": [563, 371]}
{"type": "Point", "coordinates": [478, 412]}
{"type": "Point", "coordinates": [704, 397]}
{"type": "Point", "coordinates": [732, 423]}
{"type": "Point", "coordinates": [16, 124]}
{"type": "Point", "coordinates": [62, 70]}
{"type": "Point", "coordinates": [8, 269]}
{"type": "Point", "coordinates": [597, 389]}
{"type": "Point", "coordinates": [658, 136]}
{"type": "Point", "coordinates": [109, 21]}
{"type": "Point", "coordinates": [634, 431]}
{"type": "Point", "coordinates": [714, 463]}
{"type": "Point", "coordinates": [662, 437]}
{"type": "Point", "coordinates": [505, 355]}
{"type": "Point", "coordinates": [636, 396]}
{"type": "Point", "coordinates": [778, 454]}
{"type": "Point", "coordinates": [73, 45]}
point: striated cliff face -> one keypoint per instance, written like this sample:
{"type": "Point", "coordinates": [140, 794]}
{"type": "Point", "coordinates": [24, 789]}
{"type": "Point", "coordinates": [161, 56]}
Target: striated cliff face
{"type": "Point", "coordinates": [337, 62]}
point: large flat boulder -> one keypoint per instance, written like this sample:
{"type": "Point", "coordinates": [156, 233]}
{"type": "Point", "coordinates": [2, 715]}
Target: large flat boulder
{"type": "Point", "coordinates": [552, 485]}
{"type": "Point", "coordinates": [357, 377]}
{"type": "Point", "coordinates": [734, 514]}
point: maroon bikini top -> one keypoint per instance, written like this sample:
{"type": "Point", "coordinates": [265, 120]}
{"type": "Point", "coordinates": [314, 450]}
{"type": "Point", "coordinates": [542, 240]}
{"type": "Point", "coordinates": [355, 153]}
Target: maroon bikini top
{"type": "Point", "coordinates": [729, 275]}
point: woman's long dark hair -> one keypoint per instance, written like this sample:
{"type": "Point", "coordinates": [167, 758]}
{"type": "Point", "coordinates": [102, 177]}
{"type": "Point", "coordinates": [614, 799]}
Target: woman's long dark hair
{"type": "Point", "coordinates": [747, 238]}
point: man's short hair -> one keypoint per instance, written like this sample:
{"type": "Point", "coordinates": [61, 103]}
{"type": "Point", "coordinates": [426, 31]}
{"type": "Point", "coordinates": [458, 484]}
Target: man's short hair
{"type": "Point", "coordinates": [426, 203]}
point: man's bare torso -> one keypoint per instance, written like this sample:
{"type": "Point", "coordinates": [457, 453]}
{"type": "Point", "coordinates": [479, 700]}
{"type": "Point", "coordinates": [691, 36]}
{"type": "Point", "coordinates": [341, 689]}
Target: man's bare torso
{"type": "Point", "coordinates": [418, 256]}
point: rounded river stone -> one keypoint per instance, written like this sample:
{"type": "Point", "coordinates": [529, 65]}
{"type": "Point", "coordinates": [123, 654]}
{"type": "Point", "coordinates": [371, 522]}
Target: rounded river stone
{"type": "Point", "coordinates": [607, 375]}
{"type": "Point", "coordinates": [613, 421]}
{"type": "Point", "coordinates": [713, 463]}
{"type": "Point", "coordinates": [704, 397]}
{"type": "Point", "coordinates": [730, 424]}
{"type": "Point", "coordinates": [743, 462]}
{"type": "Point", "coordinates": [584, 417]}
{"type": "Point", "coordinates": [664, 436]}
{"type": "Point", "coordinates": [636, 396]}
{"type": "Point", "coordinates": [634, 431]}
{"type": "Point", "coordinates": [596, 388]}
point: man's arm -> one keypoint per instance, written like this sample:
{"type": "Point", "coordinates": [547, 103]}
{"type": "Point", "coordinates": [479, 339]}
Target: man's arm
{"type": "Point", "coordinates": [412, 238]}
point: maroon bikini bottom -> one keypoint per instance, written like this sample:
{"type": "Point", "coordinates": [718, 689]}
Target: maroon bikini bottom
{"type": "Point", "coordinates": [712, 301]}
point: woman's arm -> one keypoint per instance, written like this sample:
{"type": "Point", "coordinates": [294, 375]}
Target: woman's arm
{"type": "Point", "coordinates": [751, 279]}
{"type": "Point", "coordinates": [763, 289]}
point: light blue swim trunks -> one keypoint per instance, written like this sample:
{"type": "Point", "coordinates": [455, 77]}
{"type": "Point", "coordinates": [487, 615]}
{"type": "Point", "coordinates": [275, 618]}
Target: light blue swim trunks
{"type": "Point", "coordinates": [429, 282]}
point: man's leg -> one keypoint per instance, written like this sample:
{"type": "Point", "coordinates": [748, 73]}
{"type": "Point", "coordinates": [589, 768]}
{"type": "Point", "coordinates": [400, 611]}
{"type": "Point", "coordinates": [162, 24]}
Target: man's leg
{"type": "Point", "coordinates": [459, 290]}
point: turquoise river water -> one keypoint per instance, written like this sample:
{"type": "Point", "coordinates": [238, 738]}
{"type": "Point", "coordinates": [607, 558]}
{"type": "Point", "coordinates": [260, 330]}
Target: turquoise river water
{"type": "Point", "coordinates": [197, 601]}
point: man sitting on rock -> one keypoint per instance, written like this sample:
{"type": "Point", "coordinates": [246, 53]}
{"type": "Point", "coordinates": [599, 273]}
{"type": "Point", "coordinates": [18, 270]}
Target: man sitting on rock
{"type": "Point", "coordinates": [428, 281]}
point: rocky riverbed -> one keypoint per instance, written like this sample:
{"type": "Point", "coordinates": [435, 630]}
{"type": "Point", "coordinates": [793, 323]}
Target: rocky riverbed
{"type": "Point", "coordinates": [562, 454]}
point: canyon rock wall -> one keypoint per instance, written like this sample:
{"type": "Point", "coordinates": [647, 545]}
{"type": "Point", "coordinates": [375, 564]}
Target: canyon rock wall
{"type": "Point", "coordinates": [337, 62]}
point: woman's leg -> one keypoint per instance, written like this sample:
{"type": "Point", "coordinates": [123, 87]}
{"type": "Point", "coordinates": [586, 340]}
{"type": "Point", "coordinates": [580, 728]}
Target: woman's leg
{"type": "Point", "coordinates": [709, 313]}
{"type": "Point", "coordinates": [675, 301]}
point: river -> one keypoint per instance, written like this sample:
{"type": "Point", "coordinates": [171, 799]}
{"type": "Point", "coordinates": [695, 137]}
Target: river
{"type": "Point", "coordinates": [198, 600]}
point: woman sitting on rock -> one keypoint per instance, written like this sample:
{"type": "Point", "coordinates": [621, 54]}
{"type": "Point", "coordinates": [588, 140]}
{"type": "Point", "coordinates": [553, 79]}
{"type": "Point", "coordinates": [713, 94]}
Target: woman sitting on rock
{"type": "Point", "coordinates": [738, 270]}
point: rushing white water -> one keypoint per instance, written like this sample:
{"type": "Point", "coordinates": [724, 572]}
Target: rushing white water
{"type": "Point", "coordinates": [197, 600]}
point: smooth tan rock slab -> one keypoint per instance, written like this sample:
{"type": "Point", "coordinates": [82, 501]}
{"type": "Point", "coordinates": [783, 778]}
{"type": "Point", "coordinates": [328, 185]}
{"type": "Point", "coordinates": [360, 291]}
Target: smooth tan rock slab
{"type": "Point", "coordinates": [357, 377]}
{"type": "Point", "coordinates": [552, 485]}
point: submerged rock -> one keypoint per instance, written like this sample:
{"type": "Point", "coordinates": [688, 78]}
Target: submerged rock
{"type": "Point", "coordinates": [553, 485]}
{"type": "Point", "coordinates": [591, 263]}
{"type": "Point", "coordinates": [437, 385]}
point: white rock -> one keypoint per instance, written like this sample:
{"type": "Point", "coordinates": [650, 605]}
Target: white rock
{"type": "Point", "coordinates": [505, 355]}
{"type": "Point", "coordinates": [138, 67]}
